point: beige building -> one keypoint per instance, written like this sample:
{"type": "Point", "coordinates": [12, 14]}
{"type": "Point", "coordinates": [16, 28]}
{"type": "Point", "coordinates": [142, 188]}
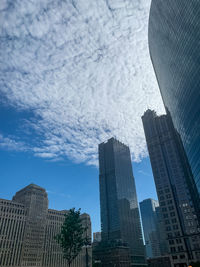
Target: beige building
{"type": "Point", "coordinates": [28, 228]}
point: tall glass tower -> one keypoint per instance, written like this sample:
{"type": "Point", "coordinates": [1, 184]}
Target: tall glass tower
{"type": "Point", "coordinates": [174, 34]}
{"type": "Point", "coordinates": [118, 200]}
{"type": "Point", "coordinates": [150, 227]}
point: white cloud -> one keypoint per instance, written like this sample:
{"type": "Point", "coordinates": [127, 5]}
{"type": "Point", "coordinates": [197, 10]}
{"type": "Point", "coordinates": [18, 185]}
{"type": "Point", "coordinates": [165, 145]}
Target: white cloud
{"type": "Point", "coordinates": [83, 68]}
{"type": "Point", "coordinates": [10, 143]}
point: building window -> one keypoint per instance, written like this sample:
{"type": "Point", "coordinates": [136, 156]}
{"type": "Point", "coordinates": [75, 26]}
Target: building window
{"type": "Point", "coordinates": [180, 248]}
{"type": "Point", "coordinates": [168, 228]}
{"type": "Point", "coordinates": [164, 209]}
{"type": "Point", "coordinates": [177, 233]}
{"type": "Point", "coordinates": [169, 235]}
{"type": "Point", "coordinates": [182, 256]}
{"type": "Point", "coordinates": [162, 203]}
{"type": "Point", "coordinates": [173, 249]}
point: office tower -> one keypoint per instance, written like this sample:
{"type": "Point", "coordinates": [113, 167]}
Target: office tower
{"type": "Point", "coordinates": [28, 228]}
{"type": "Point", "coordinates": [175, 52]}
{"type": "Point", "coordinates": [150, 223]}
{"type": "Point", "coordinates": [176, 207]}
{"type": "Point", "coordinates": [34, 199]}
{"type": "Point", "coordinates": [118, 200]}
{"type": "Point", "coordinates": [97, 237]}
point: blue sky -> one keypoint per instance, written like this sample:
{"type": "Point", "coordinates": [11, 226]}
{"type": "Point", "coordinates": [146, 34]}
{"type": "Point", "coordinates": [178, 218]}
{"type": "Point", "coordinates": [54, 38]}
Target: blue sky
{"type": "Point", "coordinates": [72, 75]}
{"type": "Point", "coordinates": [68, 185]}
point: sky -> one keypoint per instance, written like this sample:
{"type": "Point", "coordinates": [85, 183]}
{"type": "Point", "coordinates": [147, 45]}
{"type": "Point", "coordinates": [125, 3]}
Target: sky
{"type": "Point", "coordinates": [73, 74]}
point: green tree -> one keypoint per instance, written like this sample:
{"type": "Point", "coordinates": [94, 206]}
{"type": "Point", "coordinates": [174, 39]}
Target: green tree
{"type": "Point", "coordinates": [73, 236]}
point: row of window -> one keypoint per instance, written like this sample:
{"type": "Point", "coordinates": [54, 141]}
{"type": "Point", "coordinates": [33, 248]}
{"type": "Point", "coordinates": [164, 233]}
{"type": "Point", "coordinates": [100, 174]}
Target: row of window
{"type": "Point", "coordinates": [176, 249]}
{"type": "Point", "coordinates": [6, 203]}
{"type": "Point", "coordinates": [169, 228]}
{"type": "Point", "coordinates": [172, 241]}
{"type": "Point", "coordinates": [12, 210]}
{"type": "Point", "coordinates": [175, 257]}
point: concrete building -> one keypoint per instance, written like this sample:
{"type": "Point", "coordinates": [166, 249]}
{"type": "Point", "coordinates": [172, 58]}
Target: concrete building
{"type": "Point", "coordinates": [176, 206]}
{"type": "Point", "coordinates": [150, 223]}
{"type": "Point", "coordinates": [120, 218]}
{"type": "Point", "coordinates": [28, 228]}
{"type": "Point", "coordinates": [175, 52]}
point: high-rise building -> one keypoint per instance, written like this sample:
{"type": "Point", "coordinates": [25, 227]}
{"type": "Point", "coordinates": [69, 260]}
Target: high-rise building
{"type": "Point", "coordinates": [97, 237]}
{"type": "Point", "coordinates": [150, 223]}
{"type": "Point", "coordinates": [120, 218]}
{"type": "Point", "coordinates": [175, 52]}
{"type": "Point", "coordinates": [169, 169]}
{"type": "Point", "coordinates": [28, 228]}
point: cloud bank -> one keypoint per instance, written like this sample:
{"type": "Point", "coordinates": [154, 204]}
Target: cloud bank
{"type": "Point", "coordinates": [82, 67]}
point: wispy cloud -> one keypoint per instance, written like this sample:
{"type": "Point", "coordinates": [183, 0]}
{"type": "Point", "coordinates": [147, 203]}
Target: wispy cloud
{"type": "Point", "coordinates": [83, 68]}
{"type": "Point", "coordinates": [10, 144]}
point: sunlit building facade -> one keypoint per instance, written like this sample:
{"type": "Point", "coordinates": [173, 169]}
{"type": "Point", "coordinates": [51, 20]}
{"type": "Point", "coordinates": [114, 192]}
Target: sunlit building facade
{"type": "Point", "coordinates": [28, 229]}
{"type": "Point", "coordinates": [175, 52]}
{"type": "Point", "coordinates": [118, 200]}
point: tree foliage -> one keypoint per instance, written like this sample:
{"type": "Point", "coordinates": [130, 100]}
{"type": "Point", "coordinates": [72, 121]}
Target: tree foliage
{"type": "Point", "coordinates": [72, 236]}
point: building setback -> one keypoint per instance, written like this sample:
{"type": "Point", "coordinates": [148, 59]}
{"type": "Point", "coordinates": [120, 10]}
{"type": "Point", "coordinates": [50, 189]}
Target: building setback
{"type": "Point", "coordinates": [175, 52]}
{"type": "Point", "coordinates": [169, 169]}
{"type": "Point", "coordinates": [28, 228]}
{"type": "Point", "coordinates": [118, 200]}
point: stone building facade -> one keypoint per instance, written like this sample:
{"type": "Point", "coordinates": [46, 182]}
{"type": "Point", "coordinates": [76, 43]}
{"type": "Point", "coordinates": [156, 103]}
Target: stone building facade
{"type": "Point", "coordinates": [28, 228]}
{"type": "Point", "coordinates": [182, 230]}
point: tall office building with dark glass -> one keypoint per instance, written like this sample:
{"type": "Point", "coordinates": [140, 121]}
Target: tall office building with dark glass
{"type": "Point", "coordinates": [174, 34]}
{"type": "Point", "coordinates": [151, 227]}
{"type": "Point", "coordinates": [120, 218]}
{"type": "Point", "coordinates": [182, 230]}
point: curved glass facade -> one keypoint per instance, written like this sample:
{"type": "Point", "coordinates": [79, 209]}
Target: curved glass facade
{"type": "Point", "coordinates": [174, 43]}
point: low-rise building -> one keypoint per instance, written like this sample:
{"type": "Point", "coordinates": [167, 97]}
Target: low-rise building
{"type": "Point", "coordinates": [28, 229]}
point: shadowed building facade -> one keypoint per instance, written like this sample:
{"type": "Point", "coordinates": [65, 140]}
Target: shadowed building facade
{"type": "Point", "coordinates": [28, 228]}
{"type": "Point", "coordinates": [118, 201]}
{"type": "Point", "coordinates": [182, 230]}
{"type": "Point", "coordinates": [175, 53]}
{"type": "Point", "coordinates": [150, 223]}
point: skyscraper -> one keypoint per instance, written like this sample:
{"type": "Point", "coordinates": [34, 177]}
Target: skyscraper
{"type": "Point", "coordinates": [118, 200]}
{"type": "Point", "coordinates": [175, 52]}
{"type": "Point", "coordinates": [28, 228]}
{"type": "Point", "coordinates": [170, 175]}
{"type": "Point", "coordinates": [150, 223]}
